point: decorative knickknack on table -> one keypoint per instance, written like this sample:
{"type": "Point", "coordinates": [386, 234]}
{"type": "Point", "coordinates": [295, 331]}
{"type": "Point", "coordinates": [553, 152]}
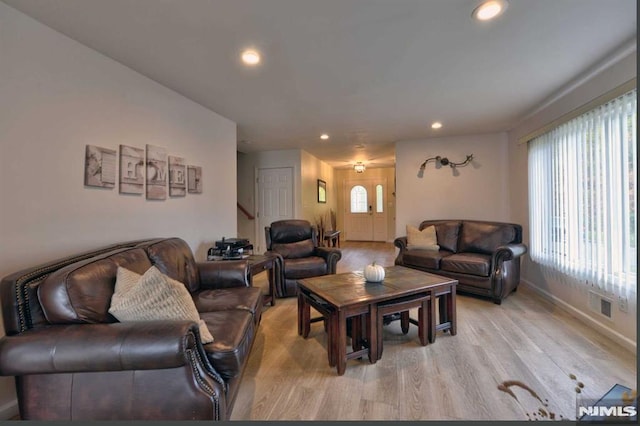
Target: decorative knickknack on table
{"type": "Point", "coordinates": [373, 273]}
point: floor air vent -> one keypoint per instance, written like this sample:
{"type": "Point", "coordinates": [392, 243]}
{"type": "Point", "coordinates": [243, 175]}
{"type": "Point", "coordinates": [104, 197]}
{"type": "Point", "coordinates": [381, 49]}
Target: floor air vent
{"type": "Point", "coordinates": [600, 304]}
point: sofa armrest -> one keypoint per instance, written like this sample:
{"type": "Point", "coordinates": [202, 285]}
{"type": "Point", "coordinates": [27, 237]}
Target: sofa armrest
{"type": "Point", "coordinates": [508, 252]}
{"type": "Point", "coordinates": [401, 243]}
{"type": "Point", "coordinates": [224, 274]}
{"type": "Point", "coordinates": [505, 275]}
{"type": "Point", "coordinates": [99, 347]}
{"type": "Point", "coordinates": [331, 256]}
{"type": "Point", "coordinates": [279, 272]}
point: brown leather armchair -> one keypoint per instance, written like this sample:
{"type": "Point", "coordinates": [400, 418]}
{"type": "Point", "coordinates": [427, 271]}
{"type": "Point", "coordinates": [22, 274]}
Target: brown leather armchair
{"type": "Point", "coordinates": [295, 245]}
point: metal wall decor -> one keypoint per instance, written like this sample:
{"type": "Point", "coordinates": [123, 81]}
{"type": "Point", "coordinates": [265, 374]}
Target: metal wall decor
{"type": "Point", "coordinates": [444, 161]}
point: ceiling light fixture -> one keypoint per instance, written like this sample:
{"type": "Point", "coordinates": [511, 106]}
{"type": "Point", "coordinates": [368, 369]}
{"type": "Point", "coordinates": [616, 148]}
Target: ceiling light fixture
{"type": "Point", "coordinates": [251, 57]}
{"type": "Point", "coordinates": [489, 10]}
{"type": "Point", "coordinates": [359, 167]}
{"type": "Point", "coordinates": [436, 125]}
{"type": "Point", "coordinates": [324, 136]}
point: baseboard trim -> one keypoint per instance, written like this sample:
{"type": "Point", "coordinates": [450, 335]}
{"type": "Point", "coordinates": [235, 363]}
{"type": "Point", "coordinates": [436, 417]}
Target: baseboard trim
{"type": "Point", "coordinates": [9, 410]}
{"type": "Point", "coordinates": [623, 341]}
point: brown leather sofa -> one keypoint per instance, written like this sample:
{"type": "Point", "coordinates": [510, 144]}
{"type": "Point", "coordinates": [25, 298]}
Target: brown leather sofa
{"type": "Point", "coordinates": [483, 256]}
{"type": "Point", "coordinates": [72, 360]}
{"type": "Point", "coordinates": [295, 244]}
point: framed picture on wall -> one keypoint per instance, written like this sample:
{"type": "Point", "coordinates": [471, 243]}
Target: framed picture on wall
{"type": "Point", "coordinates": [322, 191]}
{"type": "Point", "coordinates": [156, 173]}
{"type": "Point", "coordinates": [194, 179]}
{"type": "Point", "coordinates": [131, 170]}
{"type": "Point", "coordinates": [99, 167]}
{"type": "Point", "coordinates": [177, 177]}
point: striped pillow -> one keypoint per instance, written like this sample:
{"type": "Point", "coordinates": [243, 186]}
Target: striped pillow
{"type": "Point", "coordinates": [153, 296]}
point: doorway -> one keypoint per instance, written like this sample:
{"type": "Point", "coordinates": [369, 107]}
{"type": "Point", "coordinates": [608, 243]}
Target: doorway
{"type": "Point", "coordinates": [365, 209]}
{"type": "Point", "coordinates": [274, 192]}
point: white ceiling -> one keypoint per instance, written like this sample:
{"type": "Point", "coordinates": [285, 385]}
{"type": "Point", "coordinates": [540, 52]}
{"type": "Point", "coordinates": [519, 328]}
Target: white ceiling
{"type": "Point", "coordinates": [367, 72]}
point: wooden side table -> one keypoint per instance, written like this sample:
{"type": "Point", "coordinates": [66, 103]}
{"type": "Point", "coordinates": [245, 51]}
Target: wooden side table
{"type": "Point", "coordinates": [259, 263]}
{"type": "Point", "coordinates": [332, 237]}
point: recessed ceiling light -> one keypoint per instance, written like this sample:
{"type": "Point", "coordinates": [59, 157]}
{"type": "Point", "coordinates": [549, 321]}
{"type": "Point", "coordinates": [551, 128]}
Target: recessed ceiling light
{"type": "Point", "coordinates": [436, 125]}
{"type": "Point", "coordinates": [489, 10]}
{"type": "Point", "coordinates": [324, 136]}
{"type": "Point", "coordinates": [251, 57]}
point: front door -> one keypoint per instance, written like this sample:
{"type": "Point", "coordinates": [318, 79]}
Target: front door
{"type": "Point", "coordinates": [275, 200]}
{"type": "Point", "coordinates": [366, 213]}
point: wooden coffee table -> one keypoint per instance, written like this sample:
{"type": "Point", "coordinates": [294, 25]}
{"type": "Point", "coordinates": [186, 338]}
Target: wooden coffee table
{"type": "Point", "coordinates": [342, 296]}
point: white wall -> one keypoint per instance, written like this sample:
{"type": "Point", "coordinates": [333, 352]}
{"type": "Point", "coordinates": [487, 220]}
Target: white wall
{"type": "Point", "coordinates": [477, 191]}
{"type": "Point", "coordinates": [313, 169]}
{"type": "Point", "coordinates": [248, 165]}
{"type": "Point", "coordinates": [56, 96]}
{"type": "Point", "coordinates": [567, 294]}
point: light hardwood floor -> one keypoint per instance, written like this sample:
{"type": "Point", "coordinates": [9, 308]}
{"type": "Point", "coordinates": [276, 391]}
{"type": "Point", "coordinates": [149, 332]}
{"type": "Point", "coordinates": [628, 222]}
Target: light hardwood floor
{"type": "Point", "coordinates": [457, 377]}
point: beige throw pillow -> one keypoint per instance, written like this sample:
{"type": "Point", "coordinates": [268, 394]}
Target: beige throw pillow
{"type": "Point", "coordinates": [153, 296]}
{"type": "Point", "coordinates": [425, 239]}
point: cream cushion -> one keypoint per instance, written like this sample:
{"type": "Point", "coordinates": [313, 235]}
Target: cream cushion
{"type": "Point", "coordinates": [425, 239]}
{"type": "Point", "coordinates": [153, 296]}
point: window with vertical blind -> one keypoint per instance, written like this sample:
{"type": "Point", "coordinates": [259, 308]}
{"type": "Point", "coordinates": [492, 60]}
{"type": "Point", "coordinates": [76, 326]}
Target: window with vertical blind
{"type": "Point", "coordinates": [583, 197]}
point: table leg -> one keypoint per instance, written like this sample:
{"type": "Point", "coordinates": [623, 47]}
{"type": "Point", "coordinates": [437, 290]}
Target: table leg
{"type": "Point", "coordinates": [431, 335]}
{"type": "Point", "coordinates": [331, 337]}
{"type": "Point", "coordinates": [404, 322]}
{"type": "Point", "coordinates": [379, 321]}
{"type": "Point", "coordinates": [304, 316]}
{"type": "Point", "coordinates": [372, 332]}
{"type": "Point", "coordinates": [272, 284]}
{"type": "Point", "coordinates": [451, 309]}
{"type": "Point", "coordinates": [300, 310]}
{"type": "Point", "coordinates": [423, 322]}
{"type": "Point", "coordinates": [341, 343]}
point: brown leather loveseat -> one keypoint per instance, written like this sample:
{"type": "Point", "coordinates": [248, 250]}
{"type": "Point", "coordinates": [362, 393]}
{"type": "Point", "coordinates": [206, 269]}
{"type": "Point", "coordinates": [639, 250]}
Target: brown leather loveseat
{"type": "Point", "coordinates": [72, 360]}
{"type": "Point", "coordinates": [483, 256]}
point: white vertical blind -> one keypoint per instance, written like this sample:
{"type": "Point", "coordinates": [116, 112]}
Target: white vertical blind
{"type": "Point", "coordinates": [583, 199]}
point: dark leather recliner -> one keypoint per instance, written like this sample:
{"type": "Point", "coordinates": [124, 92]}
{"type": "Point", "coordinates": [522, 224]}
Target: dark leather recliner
{"type": "Point", "coordinates": [295, 244]}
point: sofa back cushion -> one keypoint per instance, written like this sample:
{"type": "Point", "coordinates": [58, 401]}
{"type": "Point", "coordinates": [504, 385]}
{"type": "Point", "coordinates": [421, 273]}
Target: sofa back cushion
{"type": "Point", "coordinates": [486, 237]}
{"type": "Point", "coordinates": [290, 231]}
{"type": "Point", "coordinates": [173, 257]}
{"type": "Point", "coordinates": [304, 248]}
{"type": "Point", "coordinates": [292, 239]}
{"type": "Point", "coordinates": [81, 292]}
{"type": "Point", "coordinates": [447, 232]}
